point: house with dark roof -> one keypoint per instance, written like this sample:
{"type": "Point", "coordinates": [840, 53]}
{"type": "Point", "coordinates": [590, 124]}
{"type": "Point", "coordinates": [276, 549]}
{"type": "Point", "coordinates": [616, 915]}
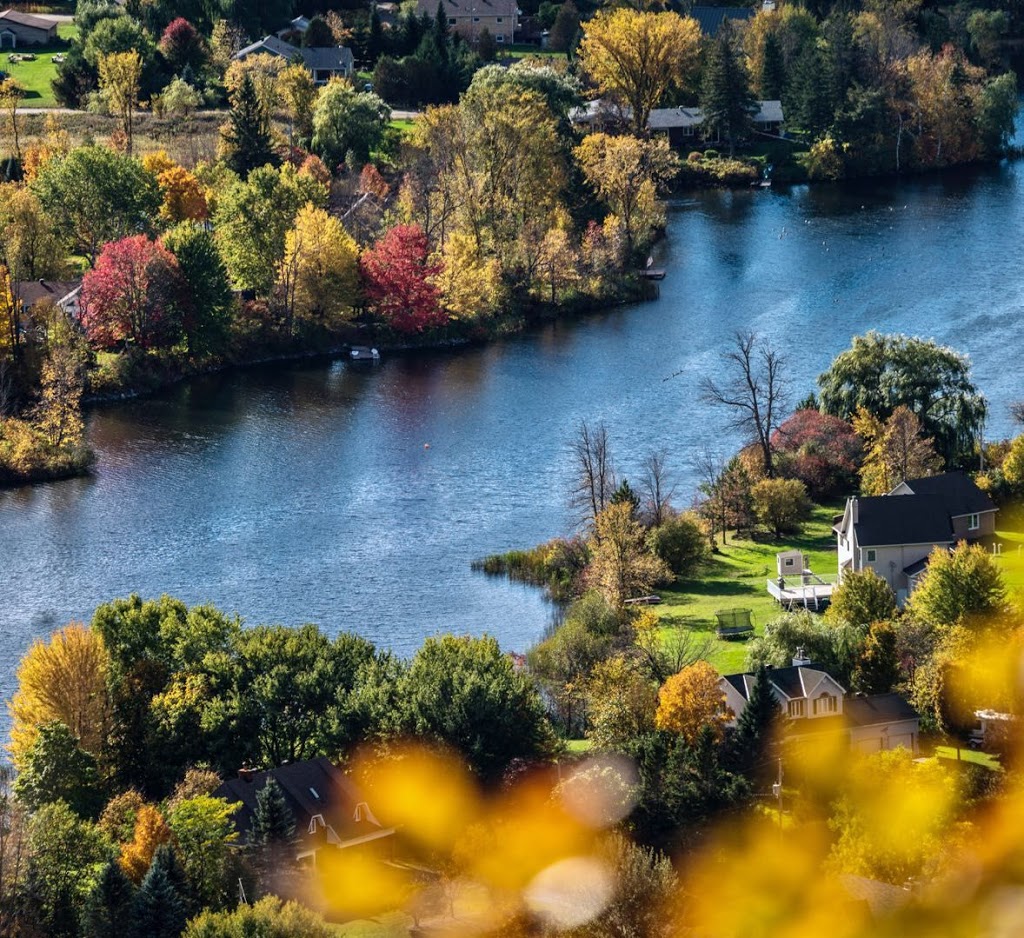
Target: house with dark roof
{"type": "Point", "coordinates": [710, 19]}
{"type": "Point", "coordinates": [815, 702]}
{"type": "Point", "coordinates": [329, 810]}
{"type": "Point", "coordinates": [469, 18]}
{"type": "Point", "coordinates": [22, 29]}
{"type": "Point", "coordinates": [894, 534]}
{"type": "Point", "coordinates": [323, 63]}
{"type": "Point", "coordinates": [64, 294]}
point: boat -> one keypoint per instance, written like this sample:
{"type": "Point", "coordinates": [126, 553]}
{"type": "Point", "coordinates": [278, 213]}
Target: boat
{"type": "Point", "coordinates": [362, 353]}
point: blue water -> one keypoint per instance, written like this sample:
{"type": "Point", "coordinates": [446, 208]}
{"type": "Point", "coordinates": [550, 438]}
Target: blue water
{"type": "Point", "coordinates": [308, 493]}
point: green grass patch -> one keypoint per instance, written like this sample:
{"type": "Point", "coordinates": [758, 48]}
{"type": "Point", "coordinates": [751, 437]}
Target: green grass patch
{"type": "Point", "coordinates": [1012, 561]}
{"type": "Point", "coordinates": [35, 76]}
{"type": "Point", "coordinates": [391, 925]}
{"type": "Point", "coordinates": [970, 755]}
{"type": "Point", "coordinates": [523, 50]}
{"type": "Point", "coordinates": [737, 577]}
{"type": "Point", "coordinates": [403, 125]}
{"type": "Point", "coordinates": [578, 747]}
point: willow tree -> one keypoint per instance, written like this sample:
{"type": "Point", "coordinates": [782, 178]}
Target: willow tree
{"type": "Point", "coordinates": [639, 56]}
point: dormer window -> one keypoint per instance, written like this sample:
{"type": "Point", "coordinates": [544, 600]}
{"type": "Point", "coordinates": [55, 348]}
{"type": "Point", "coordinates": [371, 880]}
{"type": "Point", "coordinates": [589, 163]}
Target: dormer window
{"type": "Point", "coordinates": [314, 793]}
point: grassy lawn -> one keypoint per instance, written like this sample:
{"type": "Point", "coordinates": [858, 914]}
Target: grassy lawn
{"type": "Point", "coordinates": [404, 125]}
{"type": "Point", "coordinates": [391, 925]}
{"type": "Point", "coordinates": [35, 77]}
{"type": "Point", "coordinates": [1012, 560]}
{"type": "Point", "coordinates": [969, 755]}
{"type": "Point", "coordinates": [736, 577]}
{"type": "Point", "coordinates": [577, 747]}
{"type": "Point", "coordinates": [525, 50]}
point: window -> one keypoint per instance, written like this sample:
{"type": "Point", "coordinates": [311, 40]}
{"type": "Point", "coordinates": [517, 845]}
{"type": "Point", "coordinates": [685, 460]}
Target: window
{"type": "Point", "coordinates": [500, 37]}
{"type": "Point", "coordinates": [973, 522]}
{"type": "Point", "coordinates": [476, 19]}
{"type": "Point", "coordinates": [795, 708]}
{"type": "Point", "coordinates": [869, 555]}
{"type": "Point", "coordinates": [497, 19]}
{"type": "Point", "coordinates": [826, 703]}
{"type": "Point", "coordinates": [314, 793]}
{"type": "Point", "coordinates": [451, 20]}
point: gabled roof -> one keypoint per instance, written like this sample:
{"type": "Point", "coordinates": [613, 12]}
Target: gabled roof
{"type": "Point", "coordinates": [270, 44]}
{"type": "Point", "coordinates": [457, 8]}
{"type": "Point", "coordinates": [314, 788]}
{"type": "Point", "coordinates": [885, 520]}
{"type": "Point", "coordinates": [710, 19]}
{"type": "Point", "coordinates": [960, 493]}
{"type": "Point", "coordinates": [334, 58]}
{"type": "Point", "coordinates": [793, 683]}
{"type": "Point", "coordinates": [27, 19]}
{"type": "Point", "coordinates": [878, 708]}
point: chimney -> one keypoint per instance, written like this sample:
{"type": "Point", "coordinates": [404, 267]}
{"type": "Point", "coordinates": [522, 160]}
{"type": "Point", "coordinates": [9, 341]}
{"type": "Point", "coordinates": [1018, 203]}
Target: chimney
{"type": "Point", "coordinates": [800, 659]}
{"type": "Point", "coordinates": [854, 510]}
{"type": "Point", "coordinates": [245, 773]}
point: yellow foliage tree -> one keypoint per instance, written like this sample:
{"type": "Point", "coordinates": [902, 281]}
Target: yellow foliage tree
{"type": "Point", "coordinates": [621, 566]}
{"type": "Point", "coordinates": [690, 700]}
{"type": "Point", "coordinates": [896, 450]}
{"type": "Point", "coordinates": [627, 172]}
{"type": "Point", "coordinates": [57, 142]}
{"type": "Point", "coordinates": [120, 81]}
{"type": "Point", "coordinates": [9, 333]}
{"type": "Point", "coordinates": [64, 679]}
{"type": "Point", "coordinates": [157, 162]}
{"type": "Point", "coordinates": [298, 93]}
{"type": "Point", "coordinates": [265, 70]}
{"type": "Point", "coordinates": [151, 830]}
{"type": "Point", "coordinates": [318, 276]}
{"type": "Point", "coordinates": [470, 284]}
{"type": "Point", "coordinates": [639, 56]}
{"type": "Point", "coordinates": [184, 196]}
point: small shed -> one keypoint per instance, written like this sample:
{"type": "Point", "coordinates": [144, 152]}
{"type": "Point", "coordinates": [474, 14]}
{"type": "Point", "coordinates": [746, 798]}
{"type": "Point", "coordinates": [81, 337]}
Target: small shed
{"type": "Point", "coordinates": [789, 563]}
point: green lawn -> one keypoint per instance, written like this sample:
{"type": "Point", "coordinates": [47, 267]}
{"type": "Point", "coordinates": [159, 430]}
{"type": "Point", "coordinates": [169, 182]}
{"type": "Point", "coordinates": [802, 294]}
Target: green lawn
{"type": "Point", "coordinates": [35, 77]}
{"type": "Point", "coordinates": [578, 747]}
{"type": "Point", "coordinates": [970, 755]}
{"type": "Point", "coordinates": [736, 576]}
{"type": "Point", "coordinates": [1012, 560]}
{"type": "Point", "coordinates": [521, 50]}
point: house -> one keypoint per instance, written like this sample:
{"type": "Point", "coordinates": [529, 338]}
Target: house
{"type": "Point", "coordinates": [894, 534]}
{"type": "Point", "coordinates": [329, 810]}
{"type": "Point", "coordinates": [322, 63]}
{"type": "Point", "coordinates": [815, 702]}
{"type": "Point", "coordinates": [469, 18]}
{"type": "Point", "coordinates": [681, 124]}
{"type": "Point", "coordinates": [295, 28]}
{"type": "Point", "coordinates": [64, 294]}
{"type": "Point", "coordinates": [710, 19]}
{"type": "Point", "coordinates": [23, 29]}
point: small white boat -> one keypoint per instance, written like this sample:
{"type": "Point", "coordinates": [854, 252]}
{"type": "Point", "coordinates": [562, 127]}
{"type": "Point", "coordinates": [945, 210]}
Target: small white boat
{"type": "Point", "coordinates": [362, 353]}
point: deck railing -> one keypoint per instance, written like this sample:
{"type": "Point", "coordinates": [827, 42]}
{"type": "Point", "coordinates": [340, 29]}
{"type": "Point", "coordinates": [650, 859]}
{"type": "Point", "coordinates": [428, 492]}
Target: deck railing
{"type": "Point", "coordinates": [804, 589]}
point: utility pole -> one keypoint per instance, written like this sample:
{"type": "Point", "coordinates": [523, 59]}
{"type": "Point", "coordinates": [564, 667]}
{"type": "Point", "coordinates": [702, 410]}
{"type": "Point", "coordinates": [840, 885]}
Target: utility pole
{"type": "Point", "coordinates": [777, 791]}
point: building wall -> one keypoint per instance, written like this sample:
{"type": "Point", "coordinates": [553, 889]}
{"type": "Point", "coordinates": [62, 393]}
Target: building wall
{"type": "Point", "coordinates": [27, 35]}
{"type": "Point", "coordinates": [877, 738]}
{"type": "Point", "coordinates": [889, 562]}
{"type": "Point", "coordinates": [470, 26]}
{"type": "Point", "coordinates": [987, 520]}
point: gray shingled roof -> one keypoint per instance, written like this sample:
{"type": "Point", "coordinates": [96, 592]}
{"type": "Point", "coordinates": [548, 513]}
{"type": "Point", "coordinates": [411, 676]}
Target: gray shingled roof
{"type": "Point", "coordinates": [961, 495]}
{"type": "Point", "coordinates": [789, 681]}
{"type": "Point", "coordinates": [878, 708]}
{"type": "Point", "coordinates": [884, 520]}
{"type": "Point", "coordinates": [27, 19]}
{"type": "Point", "coordinates": [711, 18]}
{"type": "Point", "coordinates": [334, 58]}
{"type": "Point", "coordinates": [31, 292]}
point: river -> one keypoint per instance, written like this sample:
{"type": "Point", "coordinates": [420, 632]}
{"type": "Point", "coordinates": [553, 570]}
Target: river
{"type": "Point", "coordinates": [356, 496]}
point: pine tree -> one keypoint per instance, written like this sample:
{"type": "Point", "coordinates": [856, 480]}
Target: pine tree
{"type": "Point", "coordinates": [726, 100]}
{"type": "Point", "coordinates": [772, 80]}
{"type": "Point", "coordinates": [374, 38]}
{"type": "Point", "coordinates": [166, 860]}
{"type": "Point", "coordinates": [273, 822]}
{"type": "Point", "coordinates": [248, 130]}
{"type": "Point", "coordinates": [159, 910]}
{"type": "Point", "coordinates": [809, 106]}
{"type": "Point", "coordinates": [624, 494]}
{"type": "Point", "coordinates": [756, 726]}
{"type": "Point", "coordinates": [108, 909]}
{"type": "Point", "coordinates": [442, 39]}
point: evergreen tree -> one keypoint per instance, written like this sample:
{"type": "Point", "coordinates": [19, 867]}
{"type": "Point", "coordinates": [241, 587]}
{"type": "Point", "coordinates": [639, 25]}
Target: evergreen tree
{"type": "Point", "coordinates": [809, 106]}
{"type": "Point", "coordinates": [248, 131]}
{"type": "Point", "coordinates": [755, 728]}
{"type": "Point", "coordinates": [166, 860]}
{"type": "Point", "coordinates": [726, 99]}
{"type": "Point", "coordinates": [772, 80]}
{"type": "Point", "coordinates": [273, 823]}
{"type": "Point", "coordinates": [375, 38]}
{"type": "Point", "coordinates": [159, 910]}
{"type": "Point", "coordinates": [439, 30]}
{"type": "Point", "coordinates": [624, 494]}
{"type": "Point", "coordinates": [565, 30]}
{"type": "Point", "coordinates": [108, 909]}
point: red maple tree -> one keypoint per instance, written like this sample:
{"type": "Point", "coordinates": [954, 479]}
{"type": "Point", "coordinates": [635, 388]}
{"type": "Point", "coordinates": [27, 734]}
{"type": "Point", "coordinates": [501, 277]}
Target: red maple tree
{"type": "Point", "coordinates": [397, 274]}
{"type": "Point", "coordinates": [820, 450]}
{"type": "Point", "coordinates": [181, 44]}
{"type": "Point", "coordinates": [131, 295]}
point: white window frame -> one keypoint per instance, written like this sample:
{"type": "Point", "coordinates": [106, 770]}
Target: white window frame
{"type": "Point", "coordinates": [870, 555]}
{"type": "Point", "coordinates": [826, 703]}
{"type": "Point", "coordinates": [973, 522]}
{"type": "Point", "coordinates": [500, 37]}
{"type": "Point", "coordinates": [796, 708]}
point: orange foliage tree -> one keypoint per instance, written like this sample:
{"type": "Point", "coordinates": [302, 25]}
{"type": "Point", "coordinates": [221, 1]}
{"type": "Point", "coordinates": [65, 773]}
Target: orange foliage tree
{"type": "Point", "coordinates": [151, 830]}
{"type": "Point", "coordinates": [690, 700]}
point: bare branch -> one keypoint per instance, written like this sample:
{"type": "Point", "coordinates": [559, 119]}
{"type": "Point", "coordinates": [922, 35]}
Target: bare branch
{"type": "Point", "coordinates": [594, 481]}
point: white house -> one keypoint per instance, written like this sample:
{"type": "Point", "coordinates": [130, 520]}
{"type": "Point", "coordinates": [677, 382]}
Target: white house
{"type": "Point", "coordinates": [894, 534]}
{"type": "Point", "coordinates": [815, 702]}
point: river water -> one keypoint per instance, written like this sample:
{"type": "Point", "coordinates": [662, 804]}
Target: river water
{"type": "Point", "coordinates": [356, 496]}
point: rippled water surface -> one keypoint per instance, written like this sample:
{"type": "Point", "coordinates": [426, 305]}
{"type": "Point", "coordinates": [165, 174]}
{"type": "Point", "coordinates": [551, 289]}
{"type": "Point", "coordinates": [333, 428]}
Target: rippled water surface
{"type": "Point", "coordinates": [309, 493]}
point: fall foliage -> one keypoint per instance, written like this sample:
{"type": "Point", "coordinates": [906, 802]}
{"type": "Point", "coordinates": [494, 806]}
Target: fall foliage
{"type": "Point", "coordinates": [691, 700]}
{"type": "Point", "coordinates": [398, 277]}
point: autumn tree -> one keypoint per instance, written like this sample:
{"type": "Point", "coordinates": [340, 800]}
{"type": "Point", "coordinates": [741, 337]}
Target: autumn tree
{"type": "Point", "coordinates": [753, 390]}
{"type": "Point", "coordinates": [878, 668]}
{"type": "Point", "coordinates": [621, 566]}
{"type": "Point", "coordinates": [861, 598]}
{"type": "Point", "coordinates": [398, 276]}
{"type": "Point", "coordinates": [627, 173]}
{"type": "Point", "coordinates": [252, 219]}
{"type": "Point", "coordinates": [30, 245]}
{"type": "Point", "coordinates": [58, 415]}
{"type": "Point", "coordinates": [319, 277]}
{"type": "Point", "coordinates": [151, 830]}
{"type": "Point", "coordinates": [184, 196]}
{"type": "Point", "coordinates": [781, 505]}
{"type": "Point", "coordinates": [691, 700]}
{"type": "Point", "coordinates": [11, 93]}
{"type": "Point", "coordinates": [639, 56]}
{"type": "Point", "coordinates": [963, 586]}
{"type": "Point", "coordinates": [120, 80]}
{"type": "Point", "coordinates": [132, 295]}
{"type": "Point", "coordinates": [470, 284]}
{"type": "Point", "coordinates": [181, 45]}
{"type": "Point", "coordinates": [295, 85]}
{"type": "Point", "coordinates": [61, 680]}
{"type": "Point", "coordinates": [822, 451]}
{"type": "Point", "coordinates": [896, 451]}
{"type": "Point", "coordinates": [621, 700]}
{"type": "Point", "coordinates": [203, 832]}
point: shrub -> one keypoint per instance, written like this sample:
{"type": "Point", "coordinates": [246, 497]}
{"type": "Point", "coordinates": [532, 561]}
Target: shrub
{"type": "Point", "coordinates": [681, 542]}
{"type": "Point", "coordinates": [781, 505]}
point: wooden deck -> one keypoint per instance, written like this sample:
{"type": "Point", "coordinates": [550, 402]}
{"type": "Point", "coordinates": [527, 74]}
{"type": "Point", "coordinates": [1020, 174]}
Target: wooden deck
{"type": "Point", "coordinates": [810, 590]}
